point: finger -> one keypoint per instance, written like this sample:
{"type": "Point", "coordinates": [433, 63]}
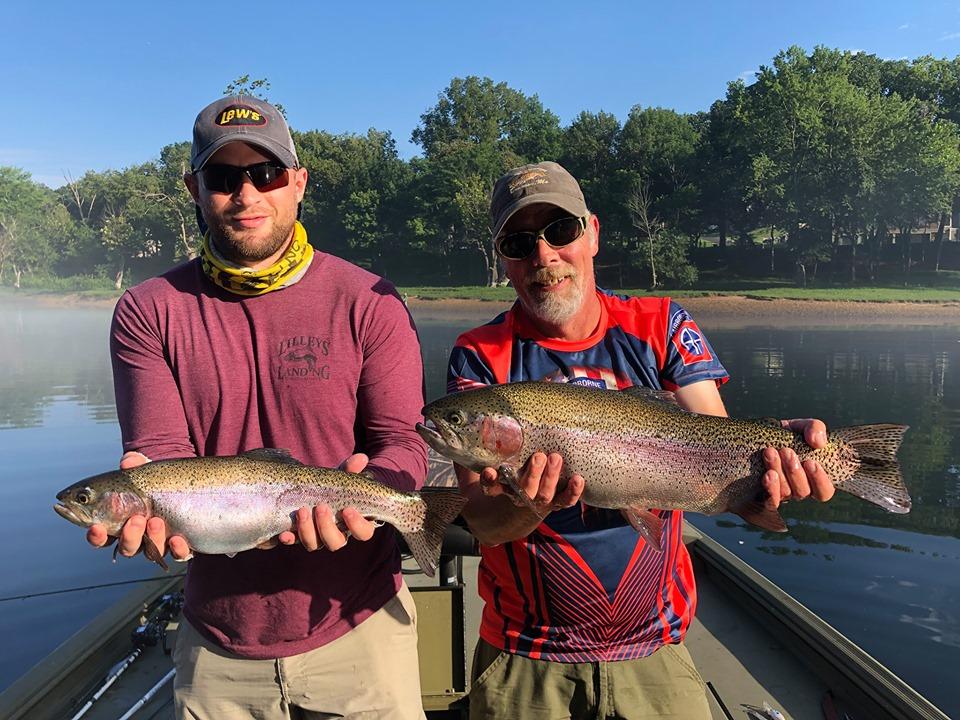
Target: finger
{"type": "Point", "coordinates": [772, 460]}
{"type": "Point", "coordinates": [814, 431]}
{"type": "Point", "coordinates": [529, 479]}
{"type": "Point", "coordinates": [489, 483]}
{"type": "Point", "coordinates": [359, 527]}
{"type": "Point", "coordinates": [131, 536]}
{"type": "Point", "coordinates": [330, 534]}
{"type": "Point", "coordinates": [306, 530]}
{"type": "Point", "coordinates": [97, 535]}
{"type": "Point", "coordinates": [287, 537]}
{"type": "Point", "coordinates": [821, 487]}
{"type": "Point", "coordinates": [355, 463]}
{"type": "Point", "coordinates": [793, 473]}
{"type": "Point", "coordinates": [179, 548]}
{"type": "Point", "coordinates": [549, 479]}
{"type": "Point", "coordinates": [771, 483]}
{"type": "Point", "coordinates": [133, 459]}
{"type": "Point", "coordinates": [570, 495]}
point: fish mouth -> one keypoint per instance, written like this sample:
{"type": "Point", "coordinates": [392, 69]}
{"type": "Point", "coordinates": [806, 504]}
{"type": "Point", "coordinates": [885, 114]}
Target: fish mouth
{"type": "Point", "coordinates": [436, 438]}
{"type": "Point", "coordinates": [68, 513]}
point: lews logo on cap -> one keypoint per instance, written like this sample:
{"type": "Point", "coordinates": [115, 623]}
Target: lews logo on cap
{"type": "Point", "coordinates": [528, 178]}
{"type": "Point", "coordinates": [233, 115]}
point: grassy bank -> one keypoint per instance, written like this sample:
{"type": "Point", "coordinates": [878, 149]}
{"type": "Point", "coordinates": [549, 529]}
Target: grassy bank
{"type": "Point", "coordinates": [853, 294]}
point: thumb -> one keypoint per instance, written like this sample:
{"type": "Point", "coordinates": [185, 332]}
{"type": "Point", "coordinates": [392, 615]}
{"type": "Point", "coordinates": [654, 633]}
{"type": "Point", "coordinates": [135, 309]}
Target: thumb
{"type": "Point", "coordinates": [133, 459]}
{"type": "Point", "coordinates": [355, 463]}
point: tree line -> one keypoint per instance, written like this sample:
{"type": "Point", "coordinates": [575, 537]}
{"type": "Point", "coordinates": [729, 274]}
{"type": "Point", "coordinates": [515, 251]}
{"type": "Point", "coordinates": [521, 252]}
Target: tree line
{"type": "Point", "coordinates": [827, 162]}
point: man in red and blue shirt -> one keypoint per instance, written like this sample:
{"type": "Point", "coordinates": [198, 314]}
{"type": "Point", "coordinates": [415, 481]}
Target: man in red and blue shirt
{"type": "Point", "coordinates": [581, 617]}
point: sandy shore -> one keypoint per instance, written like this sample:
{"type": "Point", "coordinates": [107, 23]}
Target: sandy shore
{"type": "Point", "coordinates": [717, 311]}
{"type": "Point", "coordinates": [738, 311]}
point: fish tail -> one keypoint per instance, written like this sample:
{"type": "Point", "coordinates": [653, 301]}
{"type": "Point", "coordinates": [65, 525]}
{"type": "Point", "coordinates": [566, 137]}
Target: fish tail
{"type": "Point", "coordinates": [878, 479]}
{"type": "Point", "coordinates": [441, 507]}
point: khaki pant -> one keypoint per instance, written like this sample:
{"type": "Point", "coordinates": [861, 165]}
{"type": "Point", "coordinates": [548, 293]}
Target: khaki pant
{"type": "Point", "coordinates": [371, 672]}
{"type": "Point", "coordinates": [664, 685]}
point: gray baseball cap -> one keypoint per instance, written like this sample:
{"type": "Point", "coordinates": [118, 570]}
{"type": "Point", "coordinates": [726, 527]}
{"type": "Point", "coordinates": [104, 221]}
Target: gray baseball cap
{"type": "Point", "coordinates": [245, 119]}
{"type": "Point", "coordinates": [545, 182]}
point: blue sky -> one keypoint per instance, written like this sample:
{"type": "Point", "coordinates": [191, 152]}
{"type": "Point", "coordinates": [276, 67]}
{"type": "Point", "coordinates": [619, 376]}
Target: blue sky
{"type": "Point", "coordinates": [98, 85]}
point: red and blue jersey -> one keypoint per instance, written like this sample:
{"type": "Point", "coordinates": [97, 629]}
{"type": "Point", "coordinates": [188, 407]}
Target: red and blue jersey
{"type": "Point", "coordinates": [584, 586]}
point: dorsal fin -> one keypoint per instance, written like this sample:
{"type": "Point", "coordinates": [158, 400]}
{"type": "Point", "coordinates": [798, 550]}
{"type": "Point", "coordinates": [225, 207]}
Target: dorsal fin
{"type": "Point", "coordinates": [664, 396]}
{"type": "Point", "coordinates": [769, 421]}
{"type": "Point", "coordinates": [273, 454]}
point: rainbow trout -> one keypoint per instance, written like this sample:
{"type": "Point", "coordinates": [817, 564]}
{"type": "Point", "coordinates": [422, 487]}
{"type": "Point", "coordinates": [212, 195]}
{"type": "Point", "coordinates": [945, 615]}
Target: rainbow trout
{"type": "Point", "coordinates": [230, 504]}
{"type": "Point", "coordinates": [637, 449]}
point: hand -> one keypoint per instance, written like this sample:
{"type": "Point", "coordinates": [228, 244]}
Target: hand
{"type": "Point", "coordinates": [786, 478]}
{"type": "Point", "coordinates": [317, 527]}
{"type": "Point", "coordinates": [538, 480]}
{"type": "Point", "coordinates": [136, 526]}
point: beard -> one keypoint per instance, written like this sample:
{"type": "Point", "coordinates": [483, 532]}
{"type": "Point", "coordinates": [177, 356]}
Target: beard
{"type": "Point", "coordinates": [554, 308]}
{"type": "Point", "coordinates": [240, 248]}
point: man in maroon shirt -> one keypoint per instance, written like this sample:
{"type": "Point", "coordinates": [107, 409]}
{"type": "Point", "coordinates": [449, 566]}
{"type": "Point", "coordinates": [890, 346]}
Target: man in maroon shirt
{"type": "Point", "coordinates": [264, 342]}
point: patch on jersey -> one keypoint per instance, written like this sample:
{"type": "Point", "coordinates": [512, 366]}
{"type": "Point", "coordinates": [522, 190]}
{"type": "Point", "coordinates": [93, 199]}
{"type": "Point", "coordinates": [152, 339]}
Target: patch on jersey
{"type": "Point", "coordinates": [678, 317]}
{"type": "Point", "coordinates": [689, 342]}
{"type": "Point", "coordinates": [589, 382]}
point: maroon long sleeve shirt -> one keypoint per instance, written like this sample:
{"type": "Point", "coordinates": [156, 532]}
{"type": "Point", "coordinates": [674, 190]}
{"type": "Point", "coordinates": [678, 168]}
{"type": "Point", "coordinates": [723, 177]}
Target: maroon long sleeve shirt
{"type": "Point", "coordinates": [324, 368]}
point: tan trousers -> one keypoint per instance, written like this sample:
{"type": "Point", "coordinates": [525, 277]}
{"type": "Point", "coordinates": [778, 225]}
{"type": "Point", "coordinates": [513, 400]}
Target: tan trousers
{"type": "Point", "coordinates": [664, 686]}
{"type": "Point", "coordinates": [371, 672]}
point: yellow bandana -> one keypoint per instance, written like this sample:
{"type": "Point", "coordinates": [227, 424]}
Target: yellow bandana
{"type": "Point", "coordinates": [249, 282]}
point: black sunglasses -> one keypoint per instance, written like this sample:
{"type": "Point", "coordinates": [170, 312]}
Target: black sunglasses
{"type": "Point", "coordinates": [559, 233]}
{"type": "Point", "coordinates": [265, 176]}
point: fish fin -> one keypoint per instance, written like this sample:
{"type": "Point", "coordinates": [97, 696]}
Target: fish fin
{"type": "Point", "coordinates": [440, 508]}
{"type": "Point", "coordinates": [230, 555]}
{"type": "Point", "coordinates": [153, 553]}
{"type": "Point", "coordinates": [758, 513]}
{"type": "Point", "coordinates": [507, 475]}
{"type": "Point", "coordinates": [273, 454]}
{"type": "Point", "coordinates": [647, 523]}
{"type": "Point", "coordinates": [878, 480]}
{"type": "Point", "coordinates": [368, 474]}
{"type": "Point", "coordinates": [664, 396]}
{"type": "Point", "coordinates": [769, 421]}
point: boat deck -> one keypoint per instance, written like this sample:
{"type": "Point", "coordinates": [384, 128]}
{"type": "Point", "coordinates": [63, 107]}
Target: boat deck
{"type": "Point", "coordinates": [745, 641]}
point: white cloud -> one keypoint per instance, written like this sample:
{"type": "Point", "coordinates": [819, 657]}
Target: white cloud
{"type": "Point", "coordinates": [951, 36]}
{"type": "Point", "coordinates": [905, 26]}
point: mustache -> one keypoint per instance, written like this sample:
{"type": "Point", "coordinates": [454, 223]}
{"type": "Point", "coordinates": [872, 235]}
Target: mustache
{"type": "Point", "coordinates": [551, 274]}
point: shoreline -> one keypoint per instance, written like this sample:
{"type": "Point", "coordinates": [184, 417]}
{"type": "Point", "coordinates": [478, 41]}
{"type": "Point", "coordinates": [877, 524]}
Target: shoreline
{"type": "Point", "coordinates": [740, 311]}
{"type": "Point", "coordinates": [710, 311]}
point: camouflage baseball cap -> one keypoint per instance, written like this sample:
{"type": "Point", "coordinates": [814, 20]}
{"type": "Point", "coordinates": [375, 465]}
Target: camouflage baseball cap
{"type": "Point", "coordinates": [545, 182]}
{"type": "Point", "coordinates": [241, 118]}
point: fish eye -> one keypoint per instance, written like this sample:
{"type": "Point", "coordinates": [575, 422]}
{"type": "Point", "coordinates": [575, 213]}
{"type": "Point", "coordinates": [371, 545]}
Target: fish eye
{"type": "Point", "coordinates": [456, 417]}
{"type": "Point", "coordinates": [83, 496]}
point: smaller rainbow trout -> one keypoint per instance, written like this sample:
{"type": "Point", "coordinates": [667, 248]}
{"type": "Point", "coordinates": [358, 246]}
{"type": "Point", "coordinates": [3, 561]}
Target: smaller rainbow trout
{"type": "Point", "coordinates": [637, 449]}
{"type": "Point", "coordinates": [225, 505]}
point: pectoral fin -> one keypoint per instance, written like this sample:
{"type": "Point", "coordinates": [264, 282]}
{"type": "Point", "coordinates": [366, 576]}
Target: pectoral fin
{"type": "Point", "coordinates": [758, 513]}
{"type": "Point", "coordinates": [508, 476]}
{"type": "Point", "coordinates": [153, 553]}
{"type": "Point", "coordinates": [647, 523]}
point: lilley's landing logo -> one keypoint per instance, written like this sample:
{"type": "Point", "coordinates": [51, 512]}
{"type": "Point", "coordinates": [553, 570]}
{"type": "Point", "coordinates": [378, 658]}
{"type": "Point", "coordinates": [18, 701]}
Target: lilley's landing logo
{"type": "Point", "coordinates": [303, 356]}
{"type": "Point", "coordinates": [240, 115]}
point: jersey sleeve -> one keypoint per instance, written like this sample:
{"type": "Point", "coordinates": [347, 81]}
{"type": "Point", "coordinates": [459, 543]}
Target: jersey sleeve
{"type": "Point", "coordinates": [390, 395]}
{"type": "Point", "coordinates": [149, 408]}
{"type": "Point", "coordinates": [689, 356]}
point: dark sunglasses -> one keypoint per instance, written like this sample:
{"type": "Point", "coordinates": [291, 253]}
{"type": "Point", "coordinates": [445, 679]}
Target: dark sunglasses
{"type": "Point", "coordinates": [558, 234]}
{"type": "Point", "coordinates": [265, 176]}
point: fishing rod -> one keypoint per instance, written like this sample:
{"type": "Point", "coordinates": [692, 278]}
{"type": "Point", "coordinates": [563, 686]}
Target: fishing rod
{"type": "Point", "coordinates": [46, 593]}
{"type": "Point", "coordinates": [149, 633]}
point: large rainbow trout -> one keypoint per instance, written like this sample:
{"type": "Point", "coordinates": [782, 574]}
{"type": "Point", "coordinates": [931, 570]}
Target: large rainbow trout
{"type": "Point", "coordinates": [230, 504]}
{"type": "Point", "coordinates": [637, 449]}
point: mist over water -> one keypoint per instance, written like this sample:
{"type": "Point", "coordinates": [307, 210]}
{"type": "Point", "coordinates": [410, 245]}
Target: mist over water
{"type": "Point", "coordinates": [890, 582]}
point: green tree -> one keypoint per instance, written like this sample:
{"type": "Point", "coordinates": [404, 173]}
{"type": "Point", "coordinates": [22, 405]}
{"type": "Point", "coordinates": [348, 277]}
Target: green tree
{"type": "Point", "coordinates": [477, 130]}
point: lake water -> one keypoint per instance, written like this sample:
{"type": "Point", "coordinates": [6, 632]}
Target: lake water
{"type": "Point", "coordinates": [889, 582]}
